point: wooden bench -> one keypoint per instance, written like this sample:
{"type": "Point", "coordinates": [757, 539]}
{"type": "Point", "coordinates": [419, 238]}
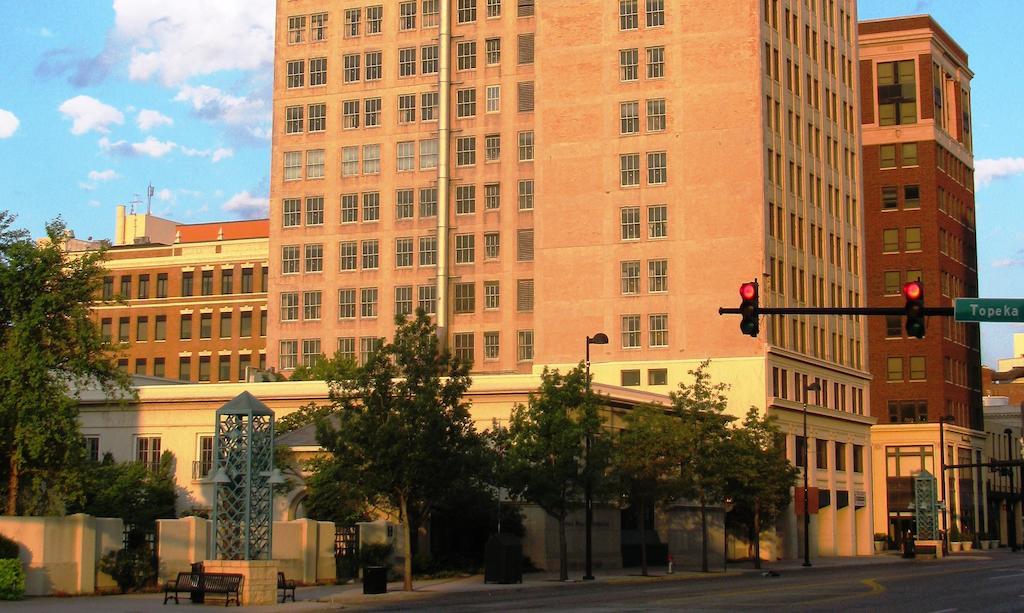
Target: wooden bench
{"type": "Point", "coordinates": [285, 585]}
{"type": "Point", "coordinates": [205, 583]}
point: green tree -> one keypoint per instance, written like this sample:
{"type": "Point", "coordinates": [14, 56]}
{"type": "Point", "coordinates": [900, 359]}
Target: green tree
{"type": "Point", "coordinates": [546, 460]}
{"type": "Point", "coordinates": [337, 368]}
{"type": "Point", "coordinates": [701, 406]}
{"type": "Point", "coordinates": [404, 436]}
{"type": "Point", "coordinates": [132, 491]}
{"type": "Point", "coordinates": [645, 464]}
{"type": "Point", "coordinates": [49, 346]}
{"type": "Point", "coordinates": [760, 477]}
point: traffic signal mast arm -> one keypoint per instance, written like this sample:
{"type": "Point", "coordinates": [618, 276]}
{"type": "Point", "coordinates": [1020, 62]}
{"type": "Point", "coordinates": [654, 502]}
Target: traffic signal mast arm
{"type": "Point", "coordinates": [928, 311]}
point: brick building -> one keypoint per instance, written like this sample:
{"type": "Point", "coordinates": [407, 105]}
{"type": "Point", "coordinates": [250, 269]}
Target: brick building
{"type": "Point", "coordinates": [919, 211]}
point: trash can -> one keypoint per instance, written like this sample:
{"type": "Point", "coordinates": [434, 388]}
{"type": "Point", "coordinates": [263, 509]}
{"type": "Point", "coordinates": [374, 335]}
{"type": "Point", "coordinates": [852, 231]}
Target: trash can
{"type": "Point", "coordinates": [375, 579]}
{"type": "Point", "coordinates": [909, 546]}
{"type": "Point", "coordinates": [197, 595]}
{"type": "Point", "coordinates": [503, 559]}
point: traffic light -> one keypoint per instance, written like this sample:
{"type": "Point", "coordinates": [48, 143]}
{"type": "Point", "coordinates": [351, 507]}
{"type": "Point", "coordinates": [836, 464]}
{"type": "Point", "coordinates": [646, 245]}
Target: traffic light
{"type": "Point", "coordinates": [749, 309]}
{"type": "Point", "coordinates": [914, 293]}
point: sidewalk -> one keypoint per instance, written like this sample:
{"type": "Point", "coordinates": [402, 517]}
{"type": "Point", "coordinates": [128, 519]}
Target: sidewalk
{"type": "Point", "coordinates": [319, 598]}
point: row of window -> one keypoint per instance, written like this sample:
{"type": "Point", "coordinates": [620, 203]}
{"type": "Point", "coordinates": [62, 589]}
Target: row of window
{"type": "Point", "coordinates": [657, 222]}
{"type": "Point", "coordinates": [956, 209]}
{"type": "Point", "coordinates": [229, 369]}
{"type": "Point", "coordinates": [821, 454]}
{"type": "Point", "coordinates": [629, 63]}
{"type": "Point", "coordinates": [225, 329]}
{"type": "Point", "coordinates": [145, 284]}
{"type": "Point", "coordinates": [841, 393]}
{"type": "Point", "coordinates": [630, 377]}
{"type": "Point", "coordinates": [911, 239]}
{"type": "Point", "coordinates": [816, 235]}
{"type": "Point", "coordinates": [798, 285]}
{"type": "Point", "coordinates": [629, 169]}
{"type": "Point", "coordinates": [818, 96]}
{"type": "Point", "coordinates": [810, 45]}
{"type": "Point", "coordinates": [899, 369]}
{"type": "Point", "coordinates": [771, 15]}
{"type": "Point", "coordinates": [840, 349]}
{"type": "Point", "coordinates": [629, 116]}
{"type": "Point", "coordinates": [907, 158]}
{"type": "Point", "coordinates": [891, 197]}
{"type": "Point", "coordinates": [657, 277]}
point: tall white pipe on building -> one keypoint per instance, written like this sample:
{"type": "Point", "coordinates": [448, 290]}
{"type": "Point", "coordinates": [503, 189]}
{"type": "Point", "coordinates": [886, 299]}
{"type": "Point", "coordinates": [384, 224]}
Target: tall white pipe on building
{"type": "Point", "coordinates": [443, 165]}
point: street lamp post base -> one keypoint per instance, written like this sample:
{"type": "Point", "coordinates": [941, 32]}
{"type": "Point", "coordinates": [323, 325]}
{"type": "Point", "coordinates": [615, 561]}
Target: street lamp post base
{"type": "Point", "coordinates": [588, 577]}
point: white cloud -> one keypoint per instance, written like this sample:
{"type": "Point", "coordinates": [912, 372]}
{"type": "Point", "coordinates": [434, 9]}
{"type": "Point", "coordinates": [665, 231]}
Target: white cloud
{"type": "Point", "coordinates": [151, 147]}
{"type": "Point", "coordinates": [173, 41]}
{"type": "Point", "coordinates": [86, 186]}
{"type": "Point", "coordinates": [149, 119]}
{"type": "Point", "coordinates": [45, 33]}
{"type": "Point", "coordinates": [986, 171]}
{"type": "Point", "coordinates": [222, 153]}
{"type": "Point", "coordinates": [1007, 263]}
{"type": "Point", "coordinates": [215, 155]}
{"type": "Point", "coordinates": [88, 113]}
{"type": "Point", "coordinates": [94, 204]}
{"type": "Point", "coordinates": [247, 206]}
{"type": "Point", "coordinates": [218, 106]}
{"type": "Point", "coordinates": [8, 124]}
{"type": "Point", "coordinates": [103, 175]}
{"type": "Point", "coordinates": [164, 195]}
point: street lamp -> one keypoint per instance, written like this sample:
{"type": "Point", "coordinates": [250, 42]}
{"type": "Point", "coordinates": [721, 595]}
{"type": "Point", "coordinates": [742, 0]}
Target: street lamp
{"type": "Point", "coordinates": [945, 419]}
{"type": "Point", "coordinates": [1011, 519]}
{"type": "Point", "coordinates": [816, 388]}
{"type": "Point", "coordinates": [588, 494]}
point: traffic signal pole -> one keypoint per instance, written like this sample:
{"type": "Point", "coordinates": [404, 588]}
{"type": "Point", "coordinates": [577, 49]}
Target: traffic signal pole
{"type": "Point", "coordinates": [927, 311]}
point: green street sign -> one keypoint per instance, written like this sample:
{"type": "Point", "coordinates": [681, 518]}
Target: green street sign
{"type": "Point", "coordinates": [989, 310]}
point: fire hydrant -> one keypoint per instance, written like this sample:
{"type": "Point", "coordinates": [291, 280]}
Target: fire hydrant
{"type": "Point", "coordinates": [670, 564]}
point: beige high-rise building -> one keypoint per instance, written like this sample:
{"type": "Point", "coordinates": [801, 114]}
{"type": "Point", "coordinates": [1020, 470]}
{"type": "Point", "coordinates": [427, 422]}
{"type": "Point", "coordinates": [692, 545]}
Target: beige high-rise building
{"type": "Point", "coordinates": [534, 173]}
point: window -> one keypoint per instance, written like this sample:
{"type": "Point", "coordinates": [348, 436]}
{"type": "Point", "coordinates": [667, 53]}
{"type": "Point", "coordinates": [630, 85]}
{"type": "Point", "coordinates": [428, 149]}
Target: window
{"type": "Point", "coordinates": [351, 68]}
{"type": "Point", "coordinates": [463, 345]}
{"type": "Point", "coordinates": [142, 329]}
{"type": "Point", "coordinates": [296, 74]}
{"type": "Point", "coordinates": [404, 204]}
{"type": "Point", "coordinates": [657, 221]}
{"type": "Point", "coordinates": [428, 251]}
{"type": "Point", "coordinates": [367, 347]}
{"type": "Point", "coordinates": [465, 151]}
{"type": "Point", "coordinates": [368, 302]}
{"type": "Point", "coordinates": [466, 55]}
{"type": "Point", "coordinates": [492, 147]}
{"type": "Point", "coordinates": [428, 196]}
{"type": "Point", "coordinates": [349, 208]}
{"type": "Point", "coordinates": [407, 62]}
{"type": "Point", "coordinates": [147, 452]}
{"type": "Point", "coordinates": [427, 299]}
{"type": "Point", "coordinates": [403, 300]}
{"type": "Point", "coordinates": [524, 245]}
{"type": "Point", "coordinates": [465, 103]}
{"type": "Point", "coordinates": [371, 159]}
{"type": "Point", "coordinates": [315, 164]}
{"type": "Point", "coordinates": [890, 240]}
{"type": "Point", "coordinates": [629, 18]}
{"type": "Point", "coordinates": [492, 196]}
{"type": "Point", "coordinates": [143, 287]}
{"type": "Point", "coordinates": [526, 46]}
{"type": "Point", "coordinates": [465, 297]}
{"type": "Point", "coordinates": [493, 8]}
{"type": "Point", "coordinates": [428, 107]}
{"type": "Point", "coordinates": [289, 355]}
{"type": "Point", "coordinates": [894, 369]}
{"type": "Point", "coordinates": [349, 161]}
{"type": "Point", "coordinates": [492, 51]}
{"type": "Point", "coordinates": [911, 196]}
{"type": "Point", "coordinates": [630, 222]}
{"type": "Point", "coordinates": [224, 327]}
{"type": "Point", "coordinates": [658, 330]}
{"type": "Point", "coordinates": [629, 61]}
{"type": "Point", "coordinates": [493, 98]}
{"type": "Point", "coordinates": [886, 156]}
{"type": "Point", "coordinates": [291, 209]}
{"type": "Point", "coordinates": [912, 239]}
{"type": "Point", "coordinates": [296, 29]}
{"type": "Point", "coordinates": [123, 329]}
{"type": "Point", "coordinates": [890, 198]}
{"type": "Point", "coordinates": [247, 281]}
{"type": "Point", "coordinates": [352, 18]}
{"type": "Point", "coordinates": [655, 13]}
{"type": "Point", "coordinates": [289, 306]}
{"type": "Point", "coordinates": [908, 154]}
{"type": "Point", "coordinates": [428, 154]}
{"type": "Point", "coordinates": [346, 303]}
{"type": "Point", "coordinates": [821, 453]}
{"type": "Point", "coordinates": [465, 248]}
{"type": "Point", "coordinates": [314, 260]}
{"type": "Point", "coordinates": [372, 106]}
{"type": "Point", "coordinates": [314, 212]}
{"type": "Point", "coordinates": [893, 326]}
{"type": "Point", "coordinates": [492, 245]}
{"type": "Point", "coordinates": [893, 283]}
{"type": "Point", "coordinates": [184, 368]}
{"type": "Point", "coordinates": [105, 329]}
{"type": "Point", "coordinates": [407, 15]}
{"type": "Point", "coordinates": [347, 347]}
{"type": "Point", "coordinates": [245, 324]}
{"type": "Point", "coordinates": [160, 328]}
{"type": "Point", "coordinates": [657, 376]}
{"type": "Point", "coordinates": [657, 168]}
{"type": "Point", "coordinates": [897, 93]}
{"type": "Point", "coordinates": [492, 295]}
{"type": "Point", "coordinates": [371, 254]}
{"type": "Point", "coordinates": [407, 108]}
{"type": "Point", "coordinates": [629, 377]}
{"type": "Point", "coordinates": [858, 458]}
{"type": "Point", "coordinates": [656, 115]}
{"type": "Point", "coordinates": [205, 325]}
{"type": "Point", "coordinates": [350, 114]}
{"type": "Point", "coordinates": [917, 368]}
{"type": "Point", "coordinates": [108, 288]}
{"type": "Point", "coordinates": [629, 117]}
{"type": "Point", "coordinates": [630, 331]}
{"type": "Point", "coordinates": [374, 63]}
{"type": "Point", "coordinates": [467, 11]}
{"type": "Point", "coordinates": [289, 259]}
{"type": "Point", "coordinates": [491, 345]}
{"type": "Point", "coordinates": [526, 195]}
{"type": "Point", "coordinates": [840, 455]}
{"type": "Point", "coordinates": [655, 62]}
{"type": "Point", "coordinates": [406, 151]}
{"type": "Point", "coordinates": [524, 345]}
{"type": "Point", "coordinates": [526, 146]}
{"type": "Point", "coordinates": [293, 120]}
{"type": "Point", "coordinates": [207, 283]}
{"type": "Point", "coordinates": [317, 71]}
{"type": "Point", "coordinates": [657, 276]}
{"type": "Point", "coordinates": [629, 169]}
{"type": "Point", "coordinates": [318, 27]}
{"type": "Point", "coordinates": [465, 199]}
{"type": "Point", "coordinates": [311, 302]}
{"type": "Point", "coordinates": [630, 276]}
{"type": "Point", "coordinates": [374, 15]}
{"type": "Point", "coordinates": [126, 287]}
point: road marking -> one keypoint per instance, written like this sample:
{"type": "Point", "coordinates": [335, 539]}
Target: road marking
{"type": "Point", "coordinates": [944, 611]}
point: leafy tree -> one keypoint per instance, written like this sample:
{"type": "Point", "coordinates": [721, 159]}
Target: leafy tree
{"type": "Point", "coordinates": [337, 368]}
{"type": "Point", "coordinates": [404, 436]}
{"type": "Point", "coordinates": [701, 406]}
{"type": "Point", "coordinates": [49, 345]}
{"type": "Point", "coordinates": [760, 477]}
{"type": "Point", "coordinates": [305, 415]}
{"type": "Point", "coordinates": [130, 490]}
{"type": "Point", "coordinates": [546, 461]}
{"type": "Point", "coordinates": [645, 465]}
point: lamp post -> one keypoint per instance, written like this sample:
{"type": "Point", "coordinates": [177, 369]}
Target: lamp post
{"type": "Point", "coordinates": [945, 419]}
{"type": "Point", "coordinates": [816, 388]}
{"type": "Point", "coordinates": [588, 494]}
{"type": "Point", "coordinates": [1011, 506]}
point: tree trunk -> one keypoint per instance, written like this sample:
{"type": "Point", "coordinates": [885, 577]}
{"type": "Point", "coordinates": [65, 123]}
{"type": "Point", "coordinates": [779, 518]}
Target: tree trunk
{"type": "Point", "coordinates": [407, 530]}
{"type": "Point", "coordinates": [563, 551]}
{"type": "Point", "coordinates": [757, 532]}
{"type": "Point", "coordinates": [703, 534]}
{"type": "Point", "coordinates": [12, 486]}
{"type": "Point", "coordinates": [643, 539]}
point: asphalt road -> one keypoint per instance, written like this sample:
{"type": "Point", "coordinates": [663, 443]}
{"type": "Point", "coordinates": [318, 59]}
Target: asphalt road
{"type": "Point", "coordinates": [990, 583]}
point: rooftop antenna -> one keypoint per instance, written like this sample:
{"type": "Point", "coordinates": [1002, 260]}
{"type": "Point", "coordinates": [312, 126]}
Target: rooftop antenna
{"type": "Point", "coordinates": [134, 202]}
{"type": "Point", "coordinates": [149, 199]}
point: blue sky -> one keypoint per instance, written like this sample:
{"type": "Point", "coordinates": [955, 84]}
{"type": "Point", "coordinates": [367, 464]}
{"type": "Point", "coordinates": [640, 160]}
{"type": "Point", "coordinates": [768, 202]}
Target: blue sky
{"type": "Point", "coordinates": [98, 98]}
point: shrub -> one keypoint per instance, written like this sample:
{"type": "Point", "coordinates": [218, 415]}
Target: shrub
{"type": "Point", "coordinates": [12, 579]}
{"type": "Point", "coordinates": [132, 569]}
{"type": "Point", "coordinates": [8, 548]}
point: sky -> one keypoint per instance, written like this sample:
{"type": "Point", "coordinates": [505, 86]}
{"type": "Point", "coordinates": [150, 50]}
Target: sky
{"type": "Point", "coordinates": [98, 99]}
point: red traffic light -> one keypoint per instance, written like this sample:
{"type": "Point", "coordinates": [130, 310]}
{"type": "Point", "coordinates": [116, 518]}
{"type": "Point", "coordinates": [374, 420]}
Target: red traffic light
{"type": "Point", "coordinates": [913, 290]}
{"type": "Point", "coordinates": [748, 291]}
